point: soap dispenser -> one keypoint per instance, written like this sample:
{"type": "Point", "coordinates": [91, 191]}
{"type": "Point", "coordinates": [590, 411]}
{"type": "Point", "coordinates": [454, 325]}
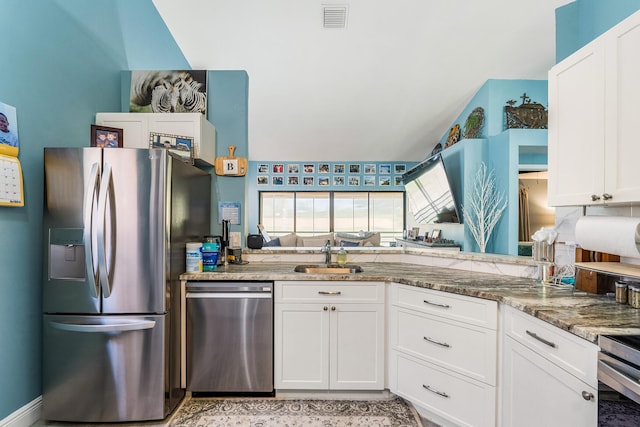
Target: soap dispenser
{"type": "Point", "coordinates": [341, 256]}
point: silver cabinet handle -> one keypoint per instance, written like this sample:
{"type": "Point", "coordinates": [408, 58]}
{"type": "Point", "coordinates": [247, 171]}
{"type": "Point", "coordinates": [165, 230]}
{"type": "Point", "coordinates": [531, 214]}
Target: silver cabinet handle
{"type": "Point", "coordinates": [586, 395]}
{"type": "Point", "coordinates": [329, 292]}
{"type": "Point", "coordinates": [595, 197]}
{"type": "Point", "coordinates": [443, 344]}
{"type": "Point", "coordinates": [542, 340]}
{"type": "Point", "coordinates": [432, 390]}
{"type": "Point", "coordinates": [436, 304]}
{"type": "Point", "coordinates": [607, 196]}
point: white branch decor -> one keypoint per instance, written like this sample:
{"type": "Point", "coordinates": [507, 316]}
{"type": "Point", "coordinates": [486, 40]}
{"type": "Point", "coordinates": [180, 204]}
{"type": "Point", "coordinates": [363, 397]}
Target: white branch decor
{"type": "Point", "coordinates": [486, 206]}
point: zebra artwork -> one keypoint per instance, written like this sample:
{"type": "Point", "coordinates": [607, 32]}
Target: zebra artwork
{"type": "Point", "coordinates": [182, 91]}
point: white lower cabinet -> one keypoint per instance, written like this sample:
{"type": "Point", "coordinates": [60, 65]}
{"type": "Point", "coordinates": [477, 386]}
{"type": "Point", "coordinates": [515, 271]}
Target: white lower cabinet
{"type": "Point", "coordinates": [549, 377]}
{"type": "Point", "coordinates": [329, 335]}
{"type": "Point", "coordinates": [443, 354]}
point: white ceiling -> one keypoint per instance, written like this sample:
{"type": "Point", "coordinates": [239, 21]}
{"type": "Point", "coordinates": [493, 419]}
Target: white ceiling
{"type": "Point", "coordinates": [386, 88]}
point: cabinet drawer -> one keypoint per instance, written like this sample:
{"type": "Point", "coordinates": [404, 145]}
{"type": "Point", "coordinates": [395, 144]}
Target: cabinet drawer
{"type": "Point", "coordinates": [329, 291]}
{"type": "Point", "coordinates": [463, 401]}
{"type": "Point", "coordinates": [573, 354]}
{"type": "Point", "coordinates": [475, 311]}
{"type": "Point", "coordinates": [467, 349]}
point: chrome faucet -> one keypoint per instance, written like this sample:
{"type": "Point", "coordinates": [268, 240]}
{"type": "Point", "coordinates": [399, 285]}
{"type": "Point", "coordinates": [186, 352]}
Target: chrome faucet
{"type": "Point", "coordinates": [327, 252]}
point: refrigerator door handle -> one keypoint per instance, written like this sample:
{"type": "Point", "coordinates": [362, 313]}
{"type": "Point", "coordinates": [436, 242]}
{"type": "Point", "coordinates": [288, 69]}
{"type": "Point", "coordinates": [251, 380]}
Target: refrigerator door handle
{"type": "Point", "coordinates": [115, 327]}
{"type": "Point", "coordinates": [102, 217]}
{"type": "Point", "coordinates": [89, 199]}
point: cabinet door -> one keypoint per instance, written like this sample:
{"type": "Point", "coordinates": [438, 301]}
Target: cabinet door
{"type": "Point", "coordinates": [577, 127]}
{"type": "Point", "coordinates": [623, 91]}
{"type": "Point", "coordinates": [301, 346]}
{"type": "Point", "coordinates": [536, 392]}
{"type": "Point", "coordinates": [356, 347]}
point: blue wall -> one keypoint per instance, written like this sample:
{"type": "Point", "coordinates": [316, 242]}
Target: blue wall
{"type": "Point", "coordinates": [60, 67]}
{"type": "Point", "coordinates": [370, 176]}
{"type": "Point", "coordinates": [499, 150]}
{"type": "Point", "coordinates": [580, 22]}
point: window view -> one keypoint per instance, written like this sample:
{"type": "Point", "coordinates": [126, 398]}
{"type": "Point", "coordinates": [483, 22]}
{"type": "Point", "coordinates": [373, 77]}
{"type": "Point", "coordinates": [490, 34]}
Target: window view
{"type": "Point", "coordinates": [312, 213]}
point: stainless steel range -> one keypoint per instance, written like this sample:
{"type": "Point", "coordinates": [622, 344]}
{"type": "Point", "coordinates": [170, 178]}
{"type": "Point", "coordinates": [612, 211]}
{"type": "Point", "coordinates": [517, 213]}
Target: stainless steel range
{"type": "Point", "coordinates": [619, 364]}
{"type": "Point", "coordinates": [619, 380]}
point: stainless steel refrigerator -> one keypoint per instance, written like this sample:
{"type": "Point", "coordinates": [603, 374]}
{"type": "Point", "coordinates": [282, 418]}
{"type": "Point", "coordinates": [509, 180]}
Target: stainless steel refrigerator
{"type": "Point", "coordinates": [116, 223]}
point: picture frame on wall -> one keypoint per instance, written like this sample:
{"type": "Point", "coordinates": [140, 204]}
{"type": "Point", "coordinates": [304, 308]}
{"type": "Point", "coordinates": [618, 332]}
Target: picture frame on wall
{"type": "Point", "coordinates": [385, 169]}
{"type": "Point", "coordinates": [354, 181]}
{"type": "Point", "coordinates": [308, 180]}
{"type": "Point", "coordinates": [309, 168]}
{"type": "Point", "coordinates": [370, 181]}
{"type": "Point", "coordinates": [399, 169]}
{"type": "Point", "coordinates": [323, 168]}
{"type": "Point", "coordinates": [323, 181]}
{"type": "Point", "coordinates": [294, 168]}
{"type": "Point", "coordinates": [263, 180]}
{"type": "Point", "coordinates": [338, 180]}
{"type": "Point", "coordinates": [293, 180]}
{"type": "Point", "coordinates": [263, 168]}
{"type": "Point", "coordinates": [338, 168]}
{"type": "Point", "coordinates": [354, 168]}
{"type": "Point", "coordinates": [106, 137]}
{"type": "Point", "coordinates": [370, 168]}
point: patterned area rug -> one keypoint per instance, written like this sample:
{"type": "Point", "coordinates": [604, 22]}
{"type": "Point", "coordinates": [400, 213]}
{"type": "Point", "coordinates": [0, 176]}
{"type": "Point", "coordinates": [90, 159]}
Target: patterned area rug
{"type": "Point", "coordinates": [199, 412]}
{"type": "Point", "coordinates": [618, 413]}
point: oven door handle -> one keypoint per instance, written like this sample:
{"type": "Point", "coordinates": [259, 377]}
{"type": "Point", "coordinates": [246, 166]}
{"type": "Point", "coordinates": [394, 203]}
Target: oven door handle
{"type": "Point", "coordinates": [610, 375]}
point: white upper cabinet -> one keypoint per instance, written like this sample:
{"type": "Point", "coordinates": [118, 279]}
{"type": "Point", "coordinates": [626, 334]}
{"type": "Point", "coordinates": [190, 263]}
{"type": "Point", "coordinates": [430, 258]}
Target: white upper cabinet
{"type": "Point", "coordinates": [593, 101]}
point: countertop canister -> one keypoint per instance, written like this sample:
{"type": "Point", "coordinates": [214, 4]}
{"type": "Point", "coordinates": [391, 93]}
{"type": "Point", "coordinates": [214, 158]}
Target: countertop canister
{"type": "Point", "coordinates": [194, 257]}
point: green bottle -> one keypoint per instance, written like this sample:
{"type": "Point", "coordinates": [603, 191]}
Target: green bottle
{"type": "Point", "coordinates": [341, 256]}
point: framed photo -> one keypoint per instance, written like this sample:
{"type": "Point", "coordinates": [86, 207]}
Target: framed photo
{"type": "Point", "coordinates": [263, 180]}
{"type": "Point", "coordinates": [323, 168]}
{"type": "Point", "coordinates": [277, 180]}
{"type": "Point", "coordinates": [354, 181]}
{"type": "Point", "coordinates": [278, 168]}
{"type": "Point", "coordinates": [338, 168]}
{"type": "Point", "coordinates": [179, 145]}
{"type": "Point", "coordinates": [400, 169]}
{"type": "Point", "coordinates": [263, 168]}
{"type": "Point", "coordinates": [307, 180]}
{"type": "Point", "coordinates": [385, 169]}
{"type": "Point", "coordinates": [338, 180]}
{"type": "Point", "coordinates": [398, 180]}
{"type": "Point", "coordinates": [294, 168]}
{"type": "Point", "coordinates": [354, 168]}
{"type": "Point", "coordinates": [106, 137]}
{"type": "Point", "coordinates": [323, 180]}
{"type": "Point", "coordinates": [385, 181]}
{"type": "Point", "coordinates": [369, 181]}
{"type": "Point", "coordinates": [435, 234]}
{"type": "Point", "coordinates": [369, 168]}
{"type": "Point", "coordinates": [309, 168]}
{"type": "Point", "coordinates": [293, 180]}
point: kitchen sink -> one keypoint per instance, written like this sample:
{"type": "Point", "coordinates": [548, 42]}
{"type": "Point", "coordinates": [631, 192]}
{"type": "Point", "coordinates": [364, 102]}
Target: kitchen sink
{"type": "Point", "coordinates": [328, 269]}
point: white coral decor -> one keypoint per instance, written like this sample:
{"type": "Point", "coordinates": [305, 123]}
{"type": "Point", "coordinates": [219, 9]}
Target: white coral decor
{"type": "Point", "coordinates": [486, 206]}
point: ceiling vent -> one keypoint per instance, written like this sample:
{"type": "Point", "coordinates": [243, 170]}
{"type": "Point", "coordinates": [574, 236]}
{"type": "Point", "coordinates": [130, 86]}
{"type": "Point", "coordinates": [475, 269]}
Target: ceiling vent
{"type": "Point", "coordinates": [335, 16]}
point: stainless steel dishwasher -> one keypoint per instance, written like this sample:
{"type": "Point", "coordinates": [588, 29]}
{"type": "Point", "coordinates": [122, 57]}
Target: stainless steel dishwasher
{"type": "Point", "coordinates": [230, 337]}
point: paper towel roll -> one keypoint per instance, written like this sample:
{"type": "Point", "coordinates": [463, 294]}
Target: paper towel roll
{"type": "Point", "coordinates": [611, 234]}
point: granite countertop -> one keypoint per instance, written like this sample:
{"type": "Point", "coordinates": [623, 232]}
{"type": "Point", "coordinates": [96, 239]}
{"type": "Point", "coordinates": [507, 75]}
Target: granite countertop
{"type": "Point", "coordinates": [580, 313]}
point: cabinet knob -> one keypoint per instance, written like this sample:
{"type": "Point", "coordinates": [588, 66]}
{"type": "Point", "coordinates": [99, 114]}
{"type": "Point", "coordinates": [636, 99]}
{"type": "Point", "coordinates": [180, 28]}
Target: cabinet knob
{"type": "Point", "coordinates": [595, 197]}
{"type": "Point", "coordinates": [325, 308]}
{"type": "Point", "coordinates": [607, 196]}
{"type": "Point", "coordinates": [587, 395]}
{"type": "Point", "coordinates": [333, 308]}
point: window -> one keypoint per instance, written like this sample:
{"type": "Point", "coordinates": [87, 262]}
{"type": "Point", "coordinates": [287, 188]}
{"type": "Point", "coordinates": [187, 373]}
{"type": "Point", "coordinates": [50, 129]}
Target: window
{"type": "Point", "coordinates": [309, 213]}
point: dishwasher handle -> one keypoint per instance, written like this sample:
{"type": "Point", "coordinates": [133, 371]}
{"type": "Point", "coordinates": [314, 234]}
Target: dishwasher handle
{"type": "Point", "coordinates": [221, 295]}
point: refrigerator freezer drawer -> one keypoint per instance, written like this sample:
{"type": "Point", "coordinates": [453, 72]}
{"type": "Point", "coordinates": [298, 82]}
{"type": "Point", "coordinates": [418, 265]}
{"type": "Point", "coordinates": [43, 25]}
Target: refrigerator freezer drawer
{"type": "Point", "coordinates": [103, 368]}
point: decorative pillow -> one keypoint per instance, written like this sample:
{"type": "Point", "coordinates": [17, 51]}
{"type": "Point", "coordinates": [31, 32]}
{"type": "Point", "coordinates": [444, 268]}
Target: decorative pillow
{"type": "Point", "coordinates": [318, 240]}
{"type": "Point", "coordinates": [288, 239]}
{"type": "Point", "coordinates": [272, 242]}
{"type": "Point", "coordinates": [365, 239]}
{"type": "Point", "coordinates": [348, 243]}
{"type": "Point", "coordinates": [312, 241]}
